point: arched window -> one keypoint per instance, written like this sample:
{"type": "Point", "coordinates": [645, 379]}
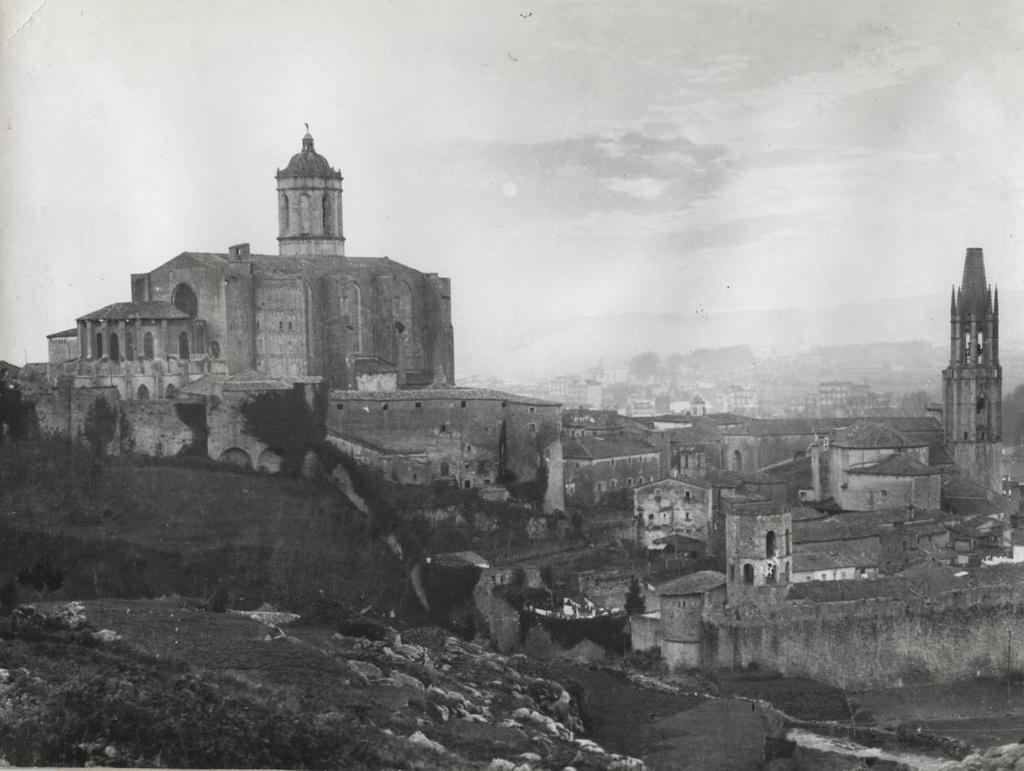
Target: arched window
{"type": "Point", "coordinates": [171, 392]}
{"type": "Point", "coordinates": [115, 348]}
{"type": "Point", "coordinates": [981, 345]}
{"type": "Point", "coordinates": [129, 346]}
{"type": "Point", "coordinates": [686, 496]}
{"type": "Point", "coordinates": [352, 315]}
{"type": "Point", "coordinates": [737, 461]}
{"type": "Point", "coordinates": [445, 469]}
{"type": "Point", "coordinates": [99, 345]}
{"type": "Point", "coordinates": [304, 219]}
{"type": "Point", "coordinates": [748, 574]}
{"type": "Point", "coordinates": [185, 300]}
{"type": "Point", "coordinates": [143, 393]}
{"type": "Point", "coordinates": [328, 214]}
{"type": "Point", "coordinates": [771, 549]}
{"type": "Point", "coordinates": [980, 405]}
{"type": "Point", "coordinates": [285, 214]}
{"type": "Point", "coordinates": [147, 346]}
{"type": "Point", "coordinates": [183, 352]}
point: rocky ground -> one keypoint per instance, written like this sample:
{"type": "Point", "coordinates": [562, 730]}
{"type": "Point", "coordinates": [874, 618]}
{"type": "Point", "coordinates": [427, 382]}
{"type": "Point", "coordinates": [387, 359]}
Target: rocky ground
{"type": "Point", "coordinates": [425, 700]}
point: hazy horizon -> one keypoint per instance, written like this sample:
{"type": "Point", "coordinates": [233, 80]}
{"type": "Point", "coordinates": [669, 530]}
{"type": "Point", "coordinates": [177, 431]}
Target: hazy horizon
{"type": "Point", "coordinates": [557, 161]}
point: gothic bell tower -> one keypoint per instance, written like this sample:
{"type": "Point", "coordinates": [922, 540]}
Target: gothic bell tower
{"type": "Point", "coordinates": [972, 384]}
{"type": "Point", "coordinates": [309, 205]}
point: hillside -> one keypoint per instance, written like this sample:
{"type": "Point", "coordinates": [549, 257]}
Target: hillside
{"type": "Point", "coordinates": [169, 685]}
{"type": "Point", "coordinates": [550, 347]}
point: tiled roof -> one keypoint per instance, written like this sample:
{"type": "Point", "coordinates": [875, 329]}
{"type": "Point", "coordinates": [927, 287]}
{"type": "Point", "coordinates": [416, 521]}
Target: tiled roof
{"type": "Point", "coordinates": [600, 447]}
{"type": "Point", "coordinates": [135, 310]}
{"type": "Point", "coordinates": [786, 426]}
{"type": "Point", "coordinates": [849, 526]}
{"type": "Point", "coordinates": [922, 527]}
{"type": "Point", "coordinates": [838, 555]}
{"type": "Point", "coordinates": [681, 481]}
{"type": "Point", "coordinates": [73, 332]}
{"type": "Point", "coordinates": [438, 394]}
{"type": "Point", "coordinates": [694, 583]}
{"type": "Point", "coordinates": [925, 579]}
{"type": "Point", "coordinates": [806, 514]}
{"type": "Point", "coordinates": [872, 435]}
{"type": "Point", "coordinates": [897, 465]}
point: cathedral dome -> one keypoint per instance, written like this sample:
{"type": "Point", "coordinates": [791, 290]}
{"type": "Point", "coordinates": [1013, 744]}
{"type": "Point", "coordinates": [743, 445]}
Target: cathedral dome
{"type": "Point", "coordinates": [308, 163]}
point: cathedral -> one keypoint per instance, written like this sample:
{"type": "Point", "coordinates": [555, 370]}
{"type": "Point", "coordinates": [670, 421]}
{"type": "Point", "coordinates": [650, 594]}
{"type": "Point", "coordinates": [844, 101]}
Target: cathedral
{"type": "Point", "coordinates": [310, 311]}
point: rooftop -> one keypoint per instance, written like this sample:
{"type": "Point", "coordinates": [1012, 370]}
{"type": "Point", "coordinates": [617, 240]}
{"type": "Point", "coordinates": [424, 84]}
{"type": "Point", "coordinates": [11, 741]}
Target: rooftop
{"type": "Point", "coordinates": [129, 311]}
{"type": "Point", "coordinates": [680, 481]}
{"type": "Point", "coordinates": [849, 526]}
{"type": "Point", "coordinates": [73, 332]}
{"type": "Point", "coordinates": [437, 394]}
{"type": "Point", "coordinates": [872, 435]}
{"type": "Point", "coordinates": [897, 465]}
{"type": "Point", "coordinates": [836, 556]}
{"type": "Point", "coordinates": [694, 583]}
{"type": "Point", "coordinates": [601, 447]}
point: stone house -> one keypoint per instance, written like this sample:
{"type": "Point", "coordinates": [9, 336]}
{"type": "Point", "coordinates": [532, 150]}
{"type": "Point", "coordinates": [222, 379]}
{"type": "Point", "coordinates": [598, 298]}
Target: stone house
{"type": "Point", "coordinates": [470, 437]}
{"type": "Point", "coordinates": [834, 562]}
{"type": "Point", "coordinates": [598, 465]}
{"type": "Point", "coordinates": [681, 506]}
{"type": "Point", "coordinates": [912, 542]}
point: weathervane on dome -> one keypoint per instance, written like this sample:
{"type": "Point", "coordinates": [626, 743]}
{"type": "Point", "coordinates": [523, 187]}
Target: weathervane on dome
{"type": "Point", "coordinates": [307, 127]}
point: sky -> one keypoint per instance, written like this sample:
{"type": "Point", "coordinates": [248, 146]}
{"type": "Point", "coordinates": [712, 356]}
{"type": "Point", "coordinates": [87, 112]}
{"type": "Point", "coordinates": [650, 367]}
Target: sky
{"type": "Point", "coordinates": [555, 159]}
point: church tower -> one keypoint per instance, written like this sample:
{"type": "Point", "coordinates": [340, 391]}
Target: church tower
{"type": "Point", "coordinates": [309, 205]}
{"type": "Point", "coordinates": [972, 384]}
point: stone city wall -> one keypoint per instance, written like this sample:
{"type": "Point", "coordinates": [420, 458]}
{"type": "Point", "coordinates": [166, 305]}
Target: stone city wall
{"type": "Point", "coordinates": [875, 643]}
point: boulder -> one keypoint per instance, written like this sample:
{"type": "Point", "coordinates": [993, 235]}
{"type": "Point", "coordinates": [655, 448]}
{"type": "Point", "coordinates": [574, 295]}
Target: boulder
{"type": "Point", "coordinates": [365, 668]}
{"type": "Point", "coordinates": [420, 740]}
{"type": "Point", "coordinates": [408, 680]}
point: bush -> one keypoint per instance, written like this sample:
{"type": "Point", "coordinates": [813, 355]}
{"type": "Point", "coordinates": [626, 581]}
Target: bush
{"type": "Point", "coordinates": [8, 597]}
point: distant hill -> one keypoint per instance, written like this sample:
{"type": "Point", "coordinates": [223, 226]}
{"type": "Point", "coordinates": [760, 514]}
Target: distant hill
{"type": "Point", "coordinates": [544, 348]}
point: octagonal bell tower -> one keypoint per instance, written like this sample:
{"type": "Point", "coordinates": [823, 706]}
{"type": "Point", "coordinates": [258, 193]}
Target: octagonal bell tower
{"type": "Point", "coordinates": [309, 205]}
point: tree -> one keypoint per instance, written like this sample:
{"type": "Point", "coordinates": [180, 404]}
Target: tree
{"type": "Point", "coordinates": [17, 414]}
{"type": "Point", "coordinates": [645, 365]}
{"type": "Point", "coordinates": [635, 602]}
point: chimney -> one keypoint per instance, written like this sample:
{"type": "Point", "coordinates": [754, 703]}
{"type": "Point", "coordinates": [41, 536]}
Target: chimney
{"type": "Point", "coordinates": [238, 252]}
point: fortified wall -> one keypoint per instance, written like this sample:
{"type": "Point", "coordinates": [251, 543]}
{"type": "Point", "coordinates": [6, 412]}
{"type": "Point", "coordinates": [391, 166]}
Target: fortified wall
{"type": "Point", "coordinates": [874, 643]}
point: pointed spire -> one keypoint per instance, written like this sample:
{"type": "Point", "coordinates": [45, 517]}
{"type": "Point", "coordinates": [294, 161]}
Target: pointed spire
{"type": "Point", "coordinates": [974, 285]}
{"type": "Point", "coordinates": [952, 301]}
{"type": "Point", "coordinates": [996, 304]}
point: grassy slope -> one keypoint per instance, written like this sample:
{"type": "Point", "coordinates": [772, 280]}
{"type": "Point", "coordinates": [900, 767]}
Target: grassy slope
{"type": "Point", "coordinates": [131, 530]}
